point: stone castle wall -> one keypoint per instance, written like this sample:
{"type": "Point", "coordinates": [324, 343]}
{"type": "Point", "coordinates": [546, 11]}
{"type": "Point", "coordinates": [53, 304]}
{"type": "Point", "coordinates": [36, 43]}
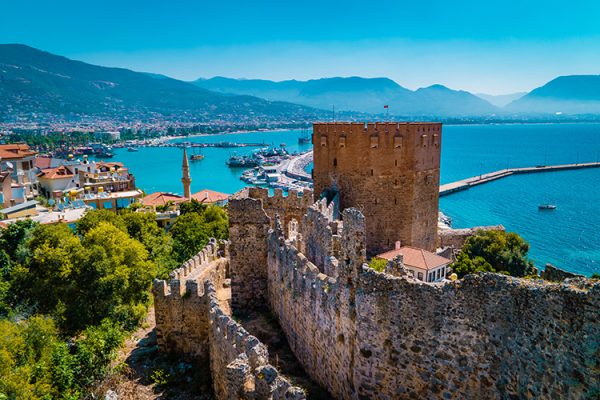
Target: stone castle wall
{"type": "Point", "coordinates": [368, 335]}
{"type": "Point", "coordinates": [456, 238]}
{"type": "Point", "coordinates": [388, 171]}
{"type": "Point", "coordinates": [181, 326]}
{"type": "Point", "coordinates": [239, 362]}
{"type": "Point", "coordinates": [191, 321]}
{"type": "Point", "coordinates": [251, 212]}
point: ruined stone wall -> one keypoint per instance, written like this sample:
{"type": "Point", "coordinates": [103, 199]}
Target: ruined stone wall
{"type": "Point", "coordinates": [251, 213]}
{"type": "Point", "coordinates": [239, 362]}
{"type": "Point", "coordinates": [192, 321]}
{"type": "Point", "coordinates": [554, 274]}
{"type": "Point", "coordinates": [372, 335]}
{"type": "Point", "coordinates": [181, 324]}
{"type": "Point", "coordinates": [456, 238]}
{"type": "Point", "coordinates": [388, 171]}
{"type": "Point", "coordinates": [319, 237]}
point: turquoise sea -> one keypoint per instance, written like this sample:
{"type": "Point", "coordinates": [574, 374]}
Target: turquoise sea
{"type": "Point", "coordinates": [568, 237]}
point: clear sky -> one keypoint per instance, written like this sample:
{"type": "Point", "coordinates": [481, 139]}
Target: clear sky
{"type": "Point", "coordinates": [482, 46]}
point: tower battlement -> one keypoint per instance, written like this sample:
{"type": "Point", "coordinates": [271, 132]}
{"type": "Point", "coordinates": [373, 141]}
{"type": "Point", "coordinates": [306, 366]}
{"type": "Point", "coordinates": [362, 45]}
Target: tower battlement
{"type": "Point", "coordinates": [390, 171]}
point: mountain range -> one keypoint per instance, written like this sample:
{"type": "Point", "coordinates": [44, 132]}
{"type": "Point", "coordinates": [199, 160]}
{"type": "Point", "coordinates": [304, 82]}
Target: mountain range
{"type": "Point", "coordinates": [358, 94]}
{"type": "Point", "coordinates": [35, 81]}
{"type": "Point", "coordinates": [32, 80]}
{"type": "Point", "coordinates": [574, 94]}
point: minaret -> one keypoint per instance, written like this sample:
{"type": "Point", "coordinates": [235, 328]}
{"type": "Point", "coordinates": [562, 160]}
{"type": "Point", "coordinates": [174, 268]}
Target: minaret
{"type": "Point", "coordinates": [186, 179]}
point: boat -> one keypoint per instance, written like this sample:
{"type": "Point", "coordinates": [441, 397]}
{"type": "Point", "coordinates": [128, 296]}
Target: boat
{"type": "Point", "coordinates": [196, 156]}
{"type": "Point", "coordinates": [546, 207]}
{"type": "Point", "coordinates": [132, 149]}
{"type": "Point", "coordinates": [304, 138]}
{"type": "Point", "coordinates": [242, 162]}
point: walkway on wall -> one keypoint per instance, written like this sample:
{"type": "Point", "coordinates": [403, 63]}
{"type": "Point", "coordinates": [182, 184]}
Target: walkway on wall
{"type": "Point", "coordinates": [465, 184]}
{"type": "Point", "coordinates": [264, 325]}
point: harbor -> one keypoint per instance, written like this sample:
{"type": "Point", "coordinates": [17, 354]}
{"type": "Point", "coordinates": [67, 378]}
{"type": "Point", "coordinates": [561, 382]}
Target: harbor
{"type": "Point", "coordinates": [467, 183]}
{"type": "Point", "coordinates": [288, 174]}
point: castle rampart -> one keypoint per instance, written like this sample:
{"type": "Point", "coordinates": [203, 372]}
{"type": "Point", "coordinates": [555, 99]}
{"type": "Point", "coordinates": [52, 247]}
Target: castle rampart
{"type": "Point", "coordinates": [363, 334]}
{"type": "Point", "coordinates": [388, 171]}
{"type": "Point", "coordinates": [371, 335]}
{"type": "Point", "coordinates": [192, 320]}
{"type": "Point", "coordinates": [251, 214]}
{"type": "Point", "coordinates": [239, 362]}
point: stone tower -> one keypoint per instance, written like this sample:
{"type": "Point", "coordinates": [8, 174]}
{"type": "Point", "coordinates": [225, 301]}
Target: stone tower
{"type": "Point", "coordinates": [389, 171]}
{"type": "Point", "coordinates": [186, 179]}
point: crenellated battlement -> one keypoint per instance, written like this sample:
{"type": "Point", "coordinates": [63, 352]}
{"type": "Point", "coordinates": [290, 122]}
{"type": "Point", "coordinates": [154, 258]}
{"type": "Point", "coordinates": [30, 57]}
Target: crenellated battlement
{"type": "Point", "coordinates": [183, 281]}
{"type": "Point", "coordinates": [359, 333]}
{"type": "Point", "coordinates": [484, 336]}
{"type": "Point", "coordinates": [240, 362]}
{"type": "Point", "coordinates": [341, 128]}
{"type": "Point", "coordinates": [251, 213]}
{"type": "Point", "coordinates": [390, 171]}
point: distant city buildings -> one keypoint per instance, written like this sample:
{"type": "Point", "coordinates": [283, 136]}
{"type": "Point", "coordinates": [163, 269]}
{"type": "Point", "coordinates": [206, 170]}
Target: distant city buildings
{"type": "Point", "coordinates": [18, 161]}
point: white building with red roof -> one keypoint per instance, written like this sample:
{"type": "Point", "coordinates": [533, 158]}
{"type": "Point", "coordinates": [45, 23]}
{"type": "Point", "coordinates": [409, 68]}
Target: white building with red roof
{"type": "Point", "coordinates": [424, 265]}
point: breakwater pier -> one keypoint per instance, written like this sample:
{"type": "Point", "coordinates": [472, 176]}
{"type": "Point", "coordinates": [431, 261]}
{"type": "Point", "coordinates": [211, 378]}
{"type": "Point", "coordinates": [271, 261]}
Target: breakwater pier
{"type": "Point", "coordinates": [467, 183]}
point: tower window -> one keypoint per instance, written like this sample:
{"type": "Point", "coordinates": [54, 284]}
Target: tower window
{"type": "Point", "coordinates": [374, 142]}
{"type": "Point", "coordinates": [371, 172]}
{"type": "Point", "coordinates": [335, 162]}
{"type": "Point", "coordinates": [397, 142]}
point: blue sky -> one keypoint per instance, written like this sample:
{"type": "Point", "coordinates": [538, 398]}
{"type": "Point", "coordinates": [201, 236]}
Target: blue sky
{"type": "Point", "coordinates": [481, 46]}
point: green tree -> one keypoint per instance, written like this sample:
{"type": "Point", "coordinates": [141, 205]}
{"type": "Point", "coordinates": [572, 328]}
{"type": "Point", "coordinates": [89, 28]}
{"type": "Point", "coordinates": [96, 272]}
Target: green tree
{"type": "Point", "coordinates": [192, 206]}
{"type": "Point", "coordinates": [13, 239]}
{"type": "Point", "coordinates": [92, 218]}
{"type": "Point", "coordinates": [142, 226]}
{"type": "Point", "coordinates": [493, 250]}
{"type": "Point", "coordinates": [82, 281]}
{"type": "Point", "coordinates": [217, 222]}
{"type": "Point", "coordinates": [465, 265]}
{"type": "Point", "coordinates": [49, 277]}
{"type": "Point", "coordinates": [189, 235]}
{"type": "Point", "coordinates": [378, 264]}
{"type": "Point", "coordinates": [25, 358]}
{"type": "Point", "coordinates": [117, 275]}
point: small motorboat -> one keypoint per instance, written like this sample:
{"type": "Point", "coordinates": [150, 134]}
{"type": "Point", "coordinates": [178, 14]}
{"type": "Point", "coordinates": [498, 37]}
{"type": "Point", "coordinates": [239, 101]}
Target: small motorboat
{"type": "Point", "coordinates": [546, 207]}
{"type": "Point", "coordinates": [132, 149]}
{"type": "Point", "coordinates": [196, 157]}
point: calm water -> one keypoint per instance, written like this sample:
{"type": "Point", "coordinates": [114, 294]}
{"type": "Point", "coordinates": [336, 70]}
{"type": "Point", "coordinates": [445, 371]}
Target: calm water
{"type": "Point", "coordinates": [568, 237]}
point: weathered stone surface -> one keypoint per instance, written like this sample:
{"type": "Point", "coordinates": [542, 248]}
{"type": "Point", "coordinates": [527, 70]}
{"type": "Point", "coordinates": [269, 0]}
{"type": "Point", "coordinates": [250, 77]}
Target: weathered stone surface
{"type": "Point", "coordinates": [388, 171]}
{"type": "Point", "coordinates": [251, 213]}
{"type": "Point", "coordinates": [456, 238]}
{"type": "Point", "coordinates": [191, 321]}
{"type": "Point", "coordinates": [368, 335]}
{"type": "Point", "coordinates": [554, 274]}
{"type": "Point", "coordinates": [372, 335]}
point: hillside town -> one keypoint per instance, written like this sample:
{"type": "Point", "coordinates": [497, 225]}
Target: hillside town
{"type": "Point", "coordinates": [47, 189]}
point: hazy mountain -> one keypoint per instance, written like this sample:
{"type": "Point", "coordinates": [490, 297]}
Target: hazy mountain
{"type": "Point", "coordinates": [500, 100]}
{"type": "Point", "coordinates": [357, 94]}
{"type": "Point", "coordinates": [36, 81]}
{"type": "Point", "coordinates": [574, 94]}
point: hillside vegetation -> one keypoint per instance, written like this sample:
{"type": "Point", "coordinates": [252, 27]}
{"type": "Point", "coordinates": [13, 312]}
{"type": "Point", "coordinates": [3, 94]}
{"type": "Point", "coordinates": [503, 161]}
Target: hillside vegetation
{"type": "Point", "coordinates": [68, 298]}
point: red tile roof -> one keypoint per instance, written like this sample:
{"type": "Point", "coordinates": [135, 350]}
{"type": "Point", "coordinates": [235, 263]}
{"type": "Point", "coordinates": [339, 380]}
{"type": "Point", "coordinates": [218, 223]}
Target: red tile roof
{"type": "Point", "coordinates": [161, 198]}
{"type": "Point", "coordinates": [15, 151]}
{"type": "Point", "coordinates": [417, 258]}
{"type": "Point", "coordinates": [209, 196]}
{"type": "Point", "coordinates": [56, 173]}
{"type": "Point", "coordinates": [43, 162]}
